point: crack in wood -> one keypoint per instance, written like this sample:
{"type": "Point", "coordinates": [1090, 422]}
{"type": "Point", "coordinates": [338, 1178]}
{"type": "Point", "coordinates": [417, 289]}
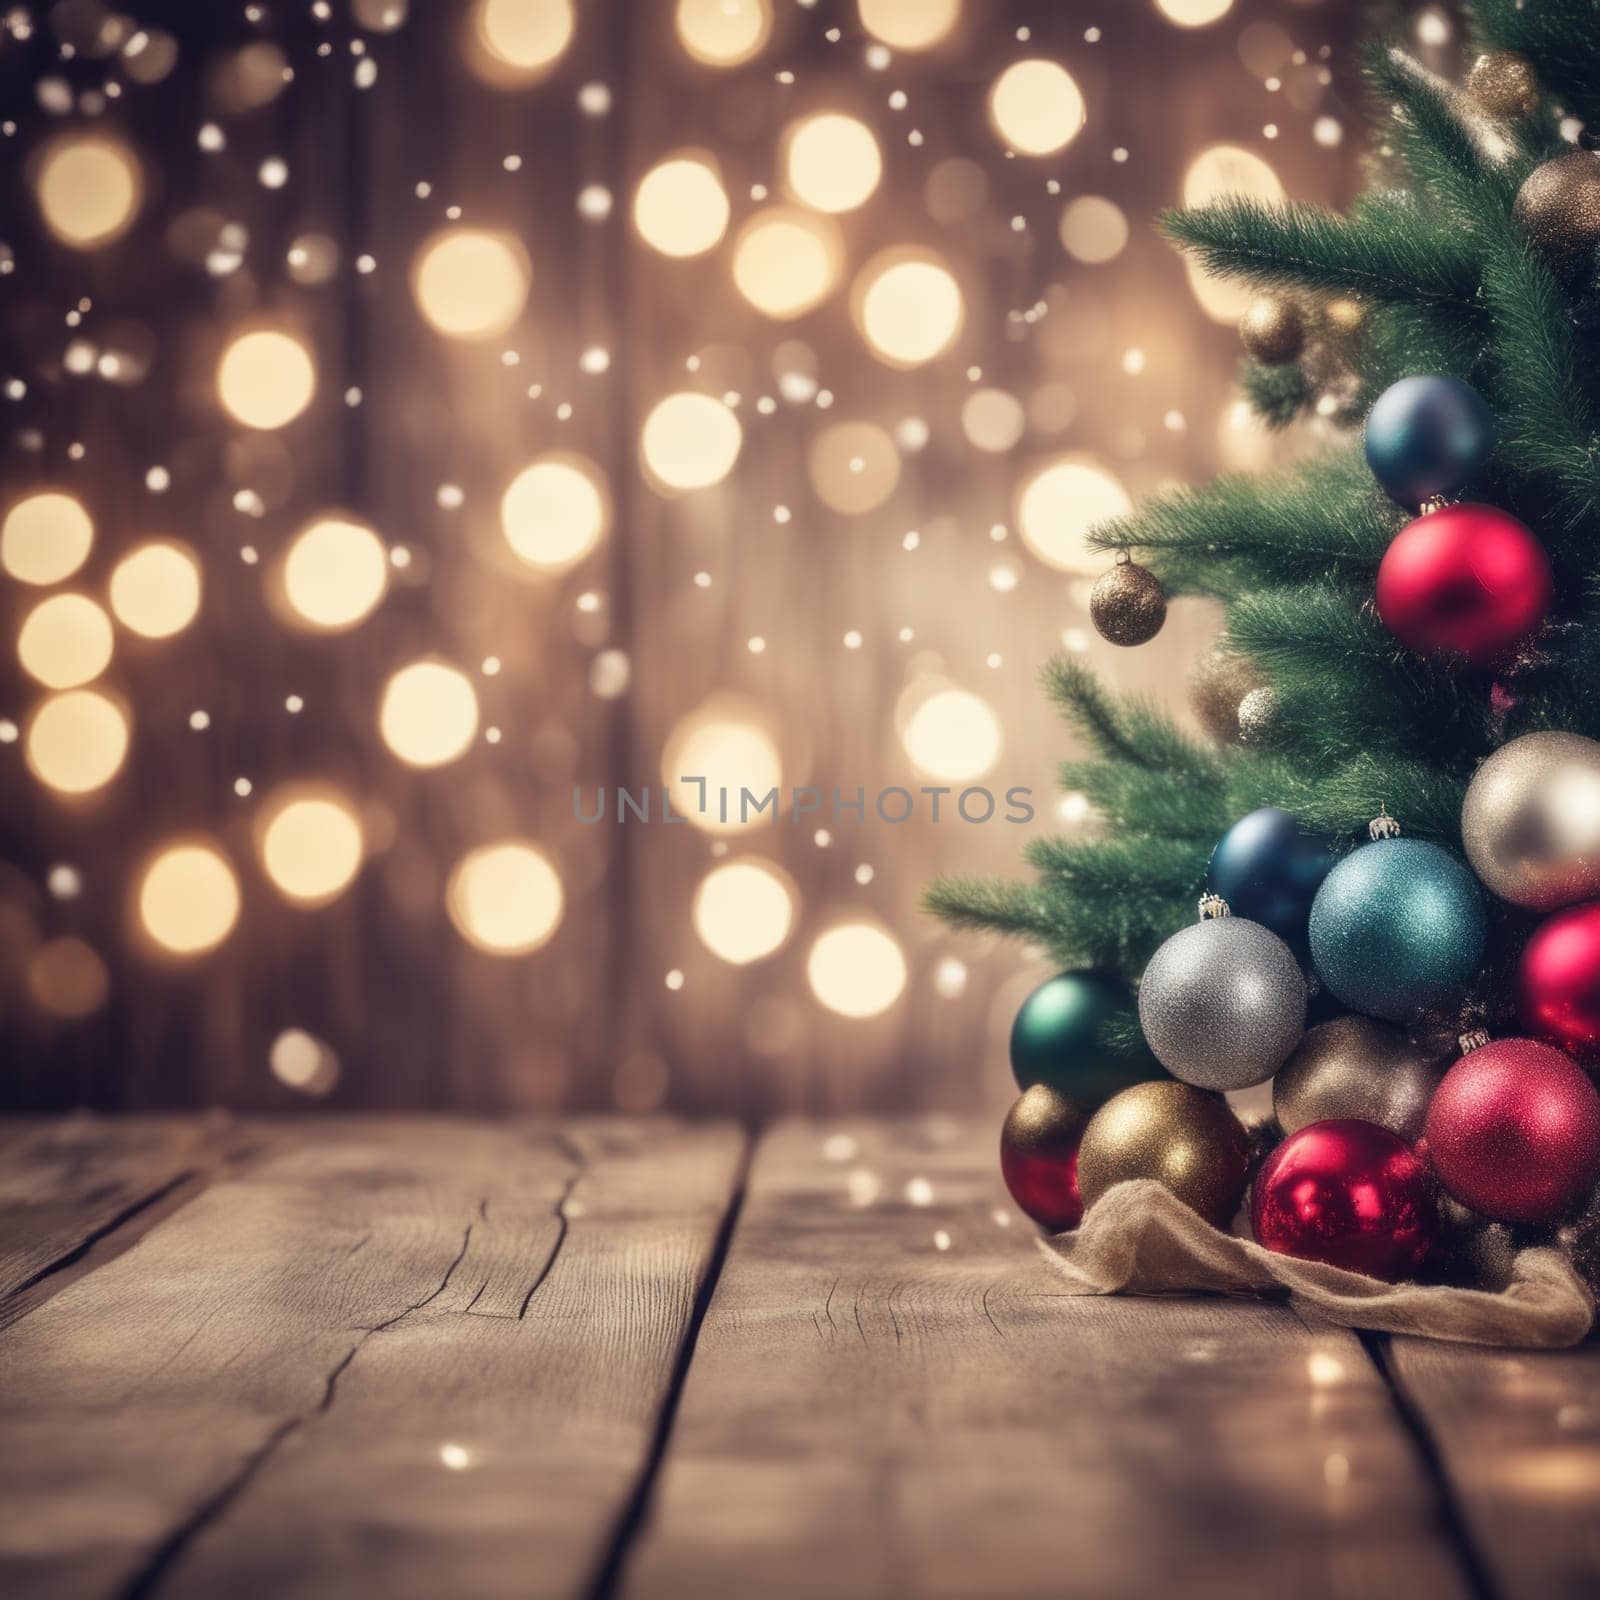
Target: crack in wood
{"type": "Point", "coordinates": [580, 1164]}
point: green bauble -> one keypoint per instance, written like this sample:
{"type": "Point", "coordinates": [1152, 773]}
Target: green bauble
{"type": "Point", "coordinates": [1079, 1033]}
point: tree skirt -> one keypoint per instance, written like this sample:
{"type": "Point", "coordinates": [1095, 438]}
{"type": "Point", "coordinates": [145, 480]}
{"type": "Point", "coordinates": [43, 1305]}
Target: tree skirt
{"type": "Point", "coordinates": [1139, 1238]}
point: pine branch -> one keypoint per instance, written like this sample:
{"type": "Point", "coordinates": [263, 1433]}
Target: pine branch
{"type": "Point", "coordinates": [1387, 251]}
{"type": "Point", "coordinates": [1277, 394]}
{"type": "Point", "coordinates": [1131, 731]}
{"type": "Point", "coordinates": [1558, 37]}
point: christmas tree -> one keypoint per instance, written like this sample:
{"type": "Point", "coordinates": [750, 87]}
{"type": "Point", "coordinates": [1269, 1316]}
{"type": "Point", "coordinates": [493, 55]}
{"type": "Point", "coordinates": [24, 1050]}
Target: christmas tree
{"type": "Point", "coordinates": [1412, 642]}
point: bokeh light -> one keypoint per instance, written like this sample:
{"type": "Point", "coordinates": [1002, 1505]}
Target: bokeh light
{"type": "Point", "coordinates": [909, 24]}
{"type": "Point", "coordinates": [831, 161]}
{"type": "Point", "coordinates": [992, 420]}
{"type": "Point", "coordinates": [65, 641]}
{"type": "Point", "coordinates": [523, 39]}
{"type": "Point", "coordinates": [744, 910]}
{"type": "Point", "coordinates": [471, 284]}
{"type": "Point", "coordinates": [189, 898]}
{"type": "Point", "coordinates": [727, 749]}
{"type": "Point", "coordinates": [1194, 13]}
{"type": "Point", "coordinates": [690, 441]}
{"type": "Point", "coordinates": [335, 573]}
{"type": "Point", "coordinates": [266, 378]}
{"type": "Point", "coordinates": [723, 33]}
{"type": "Point", "coordinates": [949, 734]}
{"type": "Point", "coordinates": [854, 467]}
{"type": "Point", "coordinates": [76, 741]}
{"type": "Point", "coordinates": [302, 1062]}
{"type": "Point", "coordinates": [1220, 172]}
{"type": "Point", "coordinates": [429, 714]}
{"type": "Point", "coordinates": [67, 978]}
{"type": "Point", "coordinates": [1037, 107]}
{"type": "Point", "coordinates": [908, 307]}
{"type": "Point", "coordinates": [786, 261]}
{"type": "Point", "coordinates": [680, 207]}
{"type": "Point", "coordinates": [45, 538]}
{"type": "Point", "coordinates": [311, 845]}
{"type": "Point", "coordinates": [1093, 229]}
{"type": "Point", "coordinates": [1057, 506]}
{"type": "Point", "coordinates": [555, 511]}
{"type": "Point", "coordinates": [505, 898]}
{"type": "Point", "coordinates": [857, 969]}
{"type": "Point", "coordinates": [88, 190]}
{"type": "Point", "coordinates": [155, 589]}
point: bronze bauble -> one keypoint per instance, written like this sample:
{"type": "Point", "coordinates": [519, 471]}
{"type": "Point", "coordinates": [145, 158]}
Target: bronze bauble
{"type": "Point", "coordinates": [1185, 1138]}
{"type": "Point", "coordinates": [1273, 330]}
{"type": "Point", "coordinates": [1127, 604]}
{"type": "Point", "coordinates": [1503, 84]}
{"type": "Point", "coordinates": [1531, 821]}
{"type": "Point", "coordinates": [1558, 207]}
{"type": "Point", "coordinates": [1355, 1067]}
{"type": "Point", "coordinates": [1220, 680]}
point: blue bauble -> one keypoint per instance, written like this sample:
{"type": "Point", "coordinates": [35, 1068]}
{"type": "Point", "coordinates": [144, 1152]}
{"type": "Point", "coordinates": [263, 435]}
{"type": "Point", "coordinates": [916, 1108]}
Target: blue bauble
{"type": "Point", "coordinates": [1397, 928]}
{"type": "Point", "coordinates": [1078, 1032]}
{"type": "Point", "coordinates": [1428, 436]}
{"type": "Point", "coordinates": [1268, 868]}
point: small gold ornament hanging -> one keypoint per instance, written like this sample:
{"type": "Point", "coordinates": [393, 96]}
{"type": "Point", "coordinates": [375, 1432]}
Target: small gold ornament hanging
{"type": "Point", "coordinates": [1558, 206]}
{"type": "Point", "coordinates": [1127, 604]}
{"type": "Point", "coordinates": [1273, 330]}
{"type": "Point", "coordinates": [1503, 84]}
{"type": "Point", "coordinates": [1220, 680]}
{"type": "Point", "coordinates": [1258, 714]}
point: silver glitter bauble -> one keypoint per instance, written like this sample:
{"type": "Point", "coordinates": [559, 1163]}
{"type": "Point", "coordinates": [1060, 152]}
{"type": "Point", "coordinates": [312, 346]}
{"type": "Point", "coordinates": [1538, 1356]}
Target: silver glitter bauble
{"type": "Point", "coordinates": [1258, 714]}
{"type": "Point", "coordinates": [1531, 821]}
{"type": "Point", "coordinates": [1355, 1067]}
{"type": "Point", "coordinates": [1223, 1003]}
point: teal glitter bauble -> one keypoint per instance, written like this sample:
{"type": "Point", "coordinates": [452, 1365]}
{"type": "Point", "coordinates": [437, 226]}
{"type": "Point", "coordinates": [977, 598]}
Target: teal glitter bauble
{"type": "Point", "coordinates": [1397, 928]}
{"type": "Point", "coordinates": [1078, 1032]}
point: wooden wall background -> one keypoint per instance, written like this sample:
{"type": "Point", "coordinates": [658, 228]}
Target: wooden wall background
{"type": "Point", "coordinates": [414, 1016]}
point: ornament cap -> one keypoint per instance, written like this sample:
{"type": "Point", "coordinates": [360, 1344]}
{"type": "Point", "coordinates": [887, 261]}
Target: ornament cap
{"type": "Point", "coordinates": [1383, 826]}
{"type": "Point", "coordinates": [1473, 1039]}
{"type": "Point", "coordinates": [1212, 906]}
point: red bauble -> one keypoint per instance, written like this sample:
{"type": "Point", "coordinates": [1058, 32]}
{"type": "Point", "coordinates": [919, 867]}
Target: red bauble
{"type": "Point", "coordinates": [1349, 1193]}
{"type": "Point", "coordinates": [1039, 1156]}
{"type": "Point", "coordinates": [1468, 579]}
{"type": "Point", "coordinates": [1514, 1131]}
{"type": "Point", "coordinates": [1558, 979]}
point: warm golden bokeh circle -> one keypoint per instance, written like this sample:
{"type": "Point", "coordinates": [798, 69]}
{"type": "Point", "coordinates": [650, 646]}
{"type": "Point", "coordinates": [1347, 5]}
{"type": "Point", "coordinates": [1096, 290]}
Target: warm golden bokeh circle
{"type": "Point", "coordinates": [555, 511]}
{"type": "Point", "coordinates": [470, 283]}
{"type": "Point", "coordinates": [46, 537]}
{"type": "Point", "coordinates": [88, 189]}
{"type": "Point", "coordinates": [505, 899]}
{"type": "Point", "coordinates": [188, 898]}
{"type": "Point", "coordinates": [266, 378]}
{"type": "Point", "coordinates": [155, 589]}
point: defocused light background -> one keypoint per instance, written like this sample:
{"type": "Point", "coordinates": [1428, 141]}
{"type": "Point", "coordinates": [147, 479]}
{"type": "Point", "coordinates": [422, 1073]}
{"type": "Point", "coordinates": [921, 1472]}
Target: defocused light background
{"type": "Point", "coordinates": [412, 411]}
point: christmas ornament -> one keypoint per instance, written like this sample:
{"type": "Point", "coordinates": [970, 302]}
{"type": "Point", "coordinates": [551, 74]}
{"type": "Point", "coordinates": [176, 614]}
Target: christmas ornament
{"type": "Point", "coordinates": [1531, 821]}
{"type": "Point", "coordinates": [1184, 1138]}
{"type": "Point", "coordinates": [1465, 578]}
{"type": "Point", "coordinates": [1268, 868]}
{"type": "Point", "coordinates": [1472, 1250]}
{"type": "Point", "coordinates": [1258, 713]}
{"type": "Point", "coordinates": [1514, 1131]}
{"type": "Point", "coordinates": [1354, 1067]}
{"type": "Point", "coordinates": [1039, 1156]}
{"type": "Point", "coordinates": [1427, 437]}
{"type": "Point", "coordinates": [1220, 679]}
{"type": "Point", "coordinates": [1349, 1193]}
{"type": "Point", "coordinates": [1222, 1003]}
{"type": "Point", "coordinates": [1273, 329]}
{"type": "Point", "coordinates": [1579, 1242]}
{"type": "Point", "coordinates": [1127, 604]}
{"type": "Point", "coordinates": [1397, 928]}
{"type": "Point", "coordinates": [1063, 1036]}
{"type": "Point", "coordinates": [1503, 84]}
{"type": "Point", "coordinates": [1558, 980]}
{"type": "Point", "coordinates": [1558, 206]}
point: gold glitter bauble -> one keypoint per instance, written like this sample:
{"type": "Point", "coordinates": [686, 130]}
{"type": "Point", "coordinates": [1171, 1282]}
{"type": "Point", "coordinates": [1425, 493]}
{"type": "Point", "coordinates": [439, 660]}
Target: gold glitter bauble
{"type": "Point", "coordinates": [1127, 604]}
{"type": "Point", "coordinates": [1185, 1138]}
{"type": "Point", "coordinates": [1558, 207]}
{"type": "Point", "coordinates": [1258, 714]}
{"type": "Point", "coordinates": [1530, 822]}
{"type": "Point", "coordinates": [1503, 84]}
{"type": "Point", "coordinates": [1273, 330]}
{"type": "Point", "coordinates": [1220, 680]}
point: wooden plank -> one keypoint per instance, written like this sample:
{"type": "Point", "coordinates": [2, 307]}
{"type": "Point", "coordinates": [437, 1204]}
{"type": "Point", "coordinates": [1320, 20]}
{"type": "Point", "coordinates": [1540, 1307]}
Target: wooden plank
{"type": "Point", "coordinates": [68, 1182]}
{"type": "Point", "coordinates": [403, 1358]}
{"type": "Point", "coordinates": [891, 1396]}
{"type": "Point", "coordinates": [1518, 1437]}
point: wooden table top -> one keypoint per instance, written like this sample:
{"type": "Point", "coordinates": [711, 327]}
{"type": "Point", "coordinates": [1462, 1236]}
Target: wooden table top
{"type": "Point", "coordinates": [446, 1358]}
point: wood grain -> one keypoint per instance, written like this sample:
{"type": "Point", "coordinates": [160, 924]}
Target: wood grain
{"type": "Point", "coordinates": [66, 1183]}
{"type": "Point", "coordinates": [259, 1396]}
{"type": "Point", "coordinates": [1518, 1435]}
{"type": "Point", "coordinates": [892, 1396]}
